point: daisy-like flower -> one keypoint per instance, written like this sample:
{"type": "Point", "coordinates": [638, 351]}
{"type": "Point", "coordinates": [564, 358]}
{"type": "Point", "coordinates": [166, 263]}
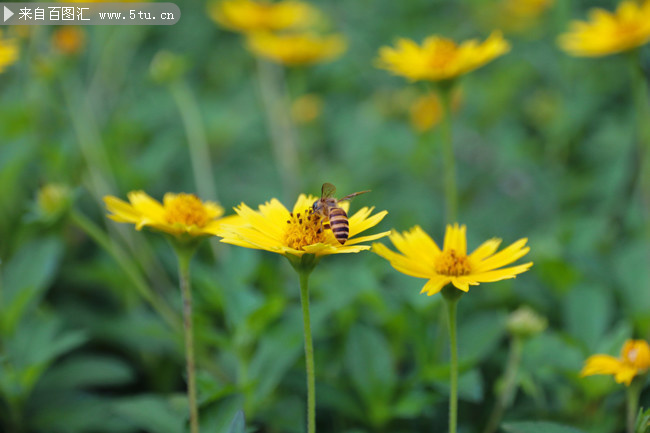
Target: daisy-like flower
{"type": "Point", "coordinates": [439, 58]}
{"type": "Point", "coordinates": [182, 215]}
{"type": "Point", "coordinates": [608, 33]}
{"type": "Point", "coordinates": [299, 232]}
{"type": "Point", "coordinates": [294, 49]}
{"type": "Point", "coordinates": [634, 361]}
{"type": "Point", "coordinates": [303, 238]}
{"type": "Point", "coordinates": [421, 257]}
{"type": "Point", "coordinates": [8, 52]}
{"type": "Point", "coordinates": [247, 16]}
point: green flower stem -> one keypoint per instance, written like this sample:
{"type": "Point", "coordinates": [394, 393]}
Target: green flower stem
{"type": "Point", "coordinates": [642, 103]}
{"type": "Point", "coordinates": [504, 398]}
{"type": "Point", "coordinates": [276, 102]}
{"type": "Point", "coordinates": [190, 112]}
{"type": "Point", "coordinates": [184, 257]}
{"type": "Point", "coordinates": [451, 295]}
{"type": "Point", "coordinates": [451, 190]}
{"type": "Point", "coordinates": [633, 394]}
{"type": "Point", "coordinates": [127, 265]}
{"type": "Point", "coordinates": [309, 352]}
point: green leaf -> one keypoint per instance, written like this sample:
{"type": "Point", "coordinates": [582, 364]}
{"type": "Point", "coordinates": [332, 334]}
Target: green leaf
{"type": "Point", "coordinates": [238, 424]}
{"type": "Point", "coordinates": [150, 413]}
{"type": "Point", "coordinates": [587, 314]}
{"type": "Point", "coordinates": [369, 363]}
{"type": "Point", "coordinates": [87, 371]}
{"type": "Point", "coordinates": [25, 277]}
{"type": "Point", "coordinates": [538, 427]}
{"type": "Point", "coordinates": [479, 334]}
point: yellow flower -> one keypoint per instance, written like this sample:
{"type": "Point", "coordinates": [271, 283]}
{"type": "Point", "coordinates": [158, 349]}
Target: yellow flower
{"type": "Point", "coordinates": [634, 360]}
{"type": "Point", "coordinates": [255, 16]}
{"type": "Point", "coordinates": [296, 48]}
{"type": "Point", "coordinates": [273, 228]}
{"type": "Point", "coordinates": [306, 108]}
{"type": "Point", "coordinates": [69, 40]}
{"type": "Point", "coordinates": [426, 112]}
{"type": "Point", "coordinates": [182, 215]}
{"type": "Point", "coordinates": [422, 258]}
{"type": "Point", "coordinates": [525, 9]}
{"type": "Point", "coordinates": [609, 33]}
{"type": "Point", "coordinates": [440, 58]}
{"type": "Point", "coordinates": [8, 52]}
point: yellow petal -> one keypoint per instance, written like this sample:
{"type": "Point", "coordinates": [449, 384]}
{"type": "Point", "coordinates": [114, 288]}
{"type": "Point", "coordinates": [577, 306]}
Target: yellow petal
{"type": "Point", "coordinates": [403, 264]}
{"type": "Point", "coordinates": [506, 256]}
{"type": "Point", "coordinates": [486, 249]}
{"type": "Point", "coordinates": [435, 285]}
{"type": "Point", "coordinates": [601, 364]}
{"type": "Point", "coordinates": [501, 274]}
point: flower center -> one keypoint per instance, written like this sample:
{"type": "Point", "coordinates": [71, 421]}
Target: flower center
{"type": "Point", "coordinates": [444, 53]}
{"type": "Point", "coordinates": [452, 264]}
{"type": "Point", "coordinates": [303, 229]}
{"type": "Point", "coordinates": [631, 356]}
{"type": "Point", "coordinates": [186, 209]}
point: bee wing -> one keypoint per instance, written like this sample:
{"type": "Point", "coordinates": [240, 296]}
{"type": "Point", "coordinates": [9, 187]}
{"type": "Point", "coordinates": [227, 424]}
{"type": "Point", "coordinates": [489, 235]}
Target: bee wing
{"type": "Point", "coordinates": [349, 196]}
{"type": "Point", "coordinates": [327, 190]}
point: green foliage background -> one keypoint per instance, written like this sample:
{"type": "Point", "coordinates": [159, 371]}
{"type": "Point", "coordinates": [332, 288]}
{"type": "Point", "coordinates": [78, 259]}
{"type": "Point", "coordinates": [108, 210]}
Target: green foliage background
{"type": "Point", "coordinates": [546, 149]}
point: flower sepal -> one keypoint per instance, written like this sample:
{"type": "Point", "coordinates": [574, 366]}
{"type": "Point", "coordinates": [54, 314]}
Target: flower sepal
{"type": "Point", "coordinates": [304, 263]}
{"type": "Point", "coordinates": [184, 245]}
{"type": "Point", "coordinates": [451, 293]}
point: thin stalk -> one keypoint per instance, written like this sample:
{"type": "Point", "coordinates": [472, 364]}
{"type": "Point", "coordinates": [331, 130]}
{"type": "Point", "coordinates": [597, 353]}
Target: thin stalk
{"type": "Point", "coordinates": [451, 190]}
{"type": "Point", "coordinates": [633, 393]}
{"type": "Point", "coordinates": [453, 346]}
{"type": "Point", "coordinates": [309, 353]}
{"type": "Point", "coordinates": [184, 258]}
{"type": "Point", "coordinates": [642, 103]}
{"type": "Point", "coordinates": [196, 139]}
{"type": "Point", "coordinates": [275, 99]}
{"type": "Point", "coordinates": [127, 265]}
{"type": "Point", "coordinates": [504, 399]}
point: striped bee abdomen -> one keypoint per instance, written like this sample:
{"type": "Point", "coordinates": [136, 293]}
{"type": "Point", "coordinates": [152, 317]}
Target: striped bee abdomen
{"type": "Point", "coordinates": [339, 224]}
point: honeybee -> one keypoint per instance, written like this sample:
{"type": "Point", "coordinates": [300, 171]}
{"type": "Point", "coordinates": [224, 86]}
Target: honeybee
{"type": "Point", "coordinates": [327, 208]}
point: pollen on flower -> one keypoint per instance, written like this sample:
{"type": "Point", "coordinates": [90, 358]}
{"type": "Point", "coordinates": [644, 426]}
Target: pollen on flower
{"type": "Point", "coordinates": [445, 52]}
{"type": "Point", "coordinates": [452, 264]}
{"type": "Point", "coordinates": [186, 209]}
{"type": "Point", "coordinates": [303, 228]}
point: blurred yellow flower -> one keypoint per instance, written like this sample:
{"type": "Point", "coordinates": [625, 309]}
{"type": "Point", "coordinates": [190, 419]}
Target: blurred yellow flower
{"type": "Point", "coordinates": [634, 360]}
{"type": "Point", "coordinates": [608, 33]}
{"type": "Point", "coordinates": [525, 9]}
{"type": "Point", "coordinates": [8, 52]}
{"type": "Point", "coordinates": [52, 201]}
{"type": "Point", "coordinates": [273, 228]}
{"type": "Point", "coordinates": [306, 108]}
{"type": "Point", "coordinates": [420, 257]}
{"type": "Point", "coordinates": [296, 49]}
{"type": "Point", "coordinates": [440, 58]}
{"type": "Point", "coordinates": [259, 16]}
{"type": "Point", "coordinates": [427, 112]}
{"type": "Point", "coordinates": [68, 40]}
{"type": "Point", "coordinates": [181, 215]}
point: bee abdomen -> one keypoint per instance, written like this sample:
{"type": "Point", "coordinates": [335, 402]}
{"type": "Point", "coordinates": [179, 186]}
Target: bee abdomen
{"type": "Point", "coordinates": [339, 224]}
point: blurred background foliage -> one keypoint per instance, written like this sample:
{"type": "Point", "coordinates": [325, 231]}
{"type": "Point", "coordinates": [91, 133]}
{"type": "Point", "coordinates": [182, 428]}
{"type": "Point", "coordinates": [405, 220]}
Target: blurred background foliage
{"type": "Point", "coordinates": [546, 150]}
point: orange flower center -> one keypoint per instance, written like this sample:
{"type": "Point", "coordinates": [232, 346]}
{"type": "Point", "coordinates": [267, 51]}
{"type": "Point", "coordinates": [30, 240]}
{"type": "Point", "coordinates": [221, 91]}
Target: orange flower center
{"type": "Point", "coordinates": [628, 28]}
{"type": "Point", "coordinates": [186, 209]}
{"type": "Point", "coordinates": [452, 264]}
{"type": "Point", "coordinates": [303, 229]}
{"type": "Point", "coordinates": [444, 53]}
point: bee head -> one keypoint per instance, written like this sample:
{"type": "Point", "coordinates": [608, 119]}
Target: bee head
{"type": "Point", "coordinates": [317, 206]}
